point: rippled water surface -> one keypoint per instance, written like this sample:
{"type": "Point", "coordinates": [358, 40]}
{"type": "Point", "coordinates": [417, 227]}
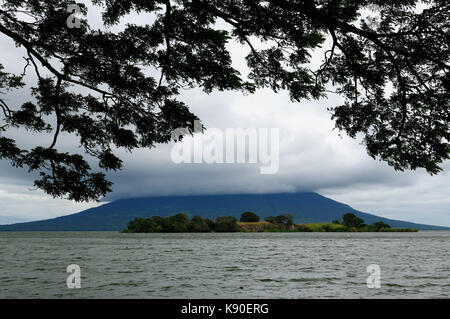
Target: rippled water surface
{"type": "Point", "coordinates": [238, 265]}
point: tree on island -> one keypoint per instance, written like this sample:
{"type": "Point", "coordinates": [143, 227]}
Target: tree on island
{"type": "Point", "coordinates": [142, 225]}
{"type": "Point", "coordinates": [119, 89]}
{"type": "Point", "coordinates": [378, 226]}
{"type": "Point", "coordinates": [352, 221]}
{"type": "Point", "coordinates": [198, 225]}
{"type": "Point", "coordinates": [211, 224]}
{"type": "Point", "coordinates": [226, 224]}
{"type": "Point", "coordinates": [249, 217]}
{"type": "Point", "coordinates": [287, 219]}
{"type": "Point", "coordinates": [270, 219]}
{"type": "Point", "coordinates": [178, 223]}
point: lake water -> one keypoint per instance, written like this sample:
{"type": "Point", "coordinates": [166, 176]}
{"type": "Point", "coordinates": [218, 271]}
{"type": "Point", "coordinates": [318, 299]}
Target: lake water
{"type": "Point", "coordinates": [237, 265]}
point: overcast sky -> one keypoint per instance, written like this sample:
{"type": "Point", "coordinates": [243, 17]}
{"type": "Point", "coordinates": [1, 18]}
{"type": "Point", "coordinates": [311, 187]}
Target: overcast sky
{"type": "Point", "coordinates": [313, 157]}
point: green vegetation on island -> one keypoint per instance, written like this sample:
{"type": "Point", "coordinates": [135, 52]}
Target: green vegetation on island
{"type": "Point", "coordinates": [250, 222]}
{"type": "Point", "coordinates": [180, 223]}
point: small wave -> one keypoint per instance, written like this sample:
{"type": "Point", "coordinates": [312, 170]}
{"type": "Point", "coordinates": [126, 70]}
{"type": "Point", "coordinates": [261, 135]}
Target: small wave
{"type": "Point", "coordinates": [425, 277]}
{"type": "Point", "coordinates": [394, 285]}
{"type": "Point", "coordinates": [232, 268]}
{"type": "Point", "coordinates": [314, 279]}
{"type": "Point", "coordinates": [130, 271]}
{"type": "Point", "coordinates": [270, 280]}
{"type": "Point", "coordinates": [30, 278]}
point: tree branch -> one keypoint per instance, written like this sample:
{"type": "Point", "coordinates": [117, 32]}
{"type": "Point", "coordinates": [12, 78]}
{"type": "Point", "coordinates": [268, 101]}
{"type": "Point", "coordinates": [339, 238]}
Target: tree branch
{"type": "Point", "coordinates": [28, 46]}
{"type": "Point", "coordinates": [5, 108]}
{"type": "Point", "coordinates": [57, 112]}
{"type": "Point", "coordinates": [167, 26]}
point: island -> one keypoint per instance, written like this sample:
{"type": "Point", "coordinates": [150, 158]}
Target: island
{"type": "Point", "coordinates": [250, 222]}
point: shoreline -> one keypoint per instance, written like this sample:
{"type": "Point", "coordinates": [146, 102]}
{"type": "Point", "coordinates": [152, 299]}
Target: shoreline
{"type": "Point", "coordinates": [258, 227]}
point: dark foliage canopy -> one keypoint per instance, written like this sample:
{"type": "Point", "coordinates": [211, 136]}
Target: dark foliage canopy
{"type": "Point", "coordinates": [249, 217]}
{"type": "Point", "coordinates": [391, 66]}
{"type": "Point", "coordinates": [351, 220]}
{"type": "Point", "coordinates": [226, 224]}
{"type": "Point", "coordinates": [287, 219]}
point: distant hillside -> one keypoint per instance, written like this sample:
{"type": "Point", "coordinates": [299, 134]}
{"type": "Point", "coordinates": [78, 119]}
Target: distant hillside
{"type": "Point", "coordinates": [6, 220]}
{"type": "Point", "coordinates": [306, 207]}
